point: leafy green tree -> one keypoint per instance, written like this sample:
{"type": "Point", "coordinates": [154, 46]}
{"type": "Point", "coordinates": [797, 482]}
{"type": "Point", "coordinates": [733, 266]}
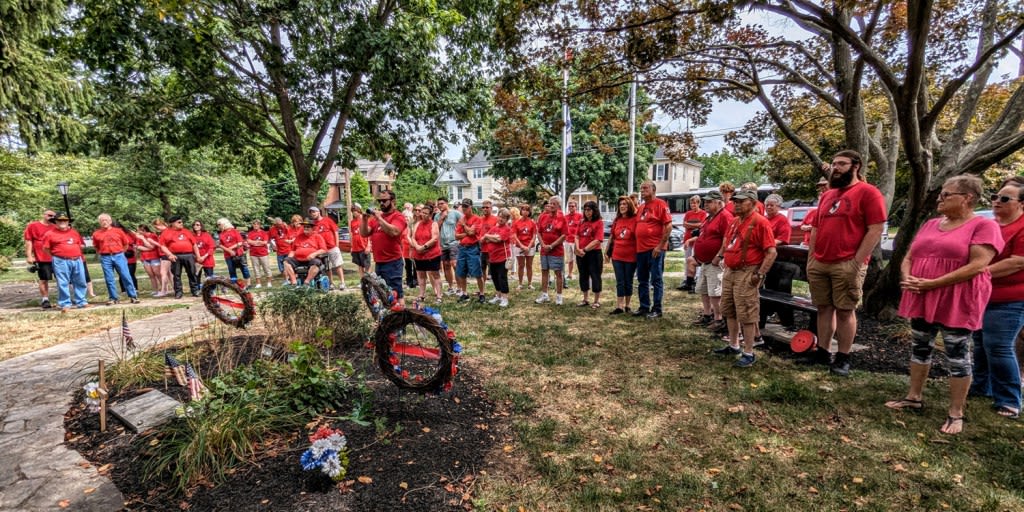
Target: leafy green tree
{"type": "Point", "coordinates": [319, 81]}
{"type": "Point", "coordinates": [723, 166]}
{"type": "Point", "coordinates": [39, 93]}
{"type": "Point", "coordinates": [416, 186]}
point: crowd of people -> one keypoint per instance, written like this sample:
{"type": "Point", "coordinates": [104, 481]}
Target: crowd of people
{"type": "Point", "coordinates": [963, 276]}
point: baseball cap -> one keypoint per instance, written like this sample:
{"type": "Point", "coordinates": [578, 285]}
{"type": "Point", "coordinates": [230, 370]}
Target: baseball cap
{"type": "Point", "coordinates": [357, 206]}
{"type": "Point", "coordinates": [173, 219]}
{"type": "Point", "coordinates": [714, 195]}
{"type": "Point", "coordinates": [467, 202]}
{"type": "Point", "coordinates": [314, 209]}
{"type": "Point", "coordinates": [744, 194]}
{"type": "Point", "coordinates": [308, 222]}
{"type": "Point", "coordinates": [62, 216]}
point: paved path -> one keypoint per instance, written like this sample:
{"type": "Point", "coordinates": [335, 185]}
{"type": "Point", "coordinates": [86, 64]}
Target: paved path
{"type": "Point", "coordinates": [37, 471]}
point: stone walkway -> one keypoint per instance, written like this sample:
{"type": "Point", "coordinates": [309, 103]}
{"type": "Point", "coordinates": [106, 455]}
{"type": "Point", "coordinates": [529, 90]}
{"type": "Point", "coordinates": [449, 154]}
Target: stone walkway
{"type": "Point", "coordinates": [37, 472]}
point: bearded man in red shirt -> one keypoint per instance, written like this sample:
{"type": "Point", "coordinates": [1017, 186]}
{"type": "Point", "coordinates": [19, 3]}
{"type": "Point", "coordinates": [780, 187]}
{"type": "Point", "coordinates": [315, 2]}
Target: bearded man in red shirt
{"type": "Point", "coordinates": [847, 227]}
{"type": "Point", "coordinates": [384, 229]}
{"type": "Point", "coordinates": [35, 234]}
{"type": "Point", "coordinates": [178, 244]}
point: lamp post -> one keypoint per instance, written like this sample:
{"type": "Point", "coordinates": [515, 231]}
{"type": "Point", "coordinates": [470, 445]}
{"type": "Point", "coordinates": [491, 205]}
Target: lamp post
{"type": "Point", "coordinates": [62, 187]}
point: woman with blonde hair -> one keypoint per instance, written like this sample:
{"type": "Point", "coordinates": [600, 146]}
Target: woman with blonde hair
{"type": "Point", "coordinates": [166, 283]}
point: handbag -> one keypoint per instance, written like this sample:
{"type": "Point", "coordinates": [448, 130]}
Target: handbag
{"type": "Point", "coordinates": [510, 262]}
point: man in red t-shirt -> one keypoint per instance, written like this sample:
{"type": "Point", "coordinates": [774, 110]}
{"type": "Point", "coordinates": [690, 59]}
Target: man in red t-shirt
{"type": "Point", "coordinates": [281, 235]}
{"type": "Point", "coordinates": [468, 231]}
{"type": "Point", "coordinates": [653, 227]}
{"type": "Point", "coordinates": [553, 231]}
{"type": "Point", "coordinates": [179, 246]}
{"type": "Point", "coordinates": [328, 230]}
{"type": "Point", "coordinates": [487, 221]}
{"type": "Point", "coordinates": [306, 250]}
{"type": "Point", "coordinates": [259, 253]}
{"type": "Point", "coordinates": [572, 225]}
{"type": "Point", "coordinates": [359, 244]}
{"type": "Point", "coordinates": [748, 251]}
{"type": "Point", "coordinates": [110, 244]}
{"type": "Point", "coordinates": [63, 247]}
{"type": "Point", "coordinates": [384, 228]}
{"type": "Point", "coordinates": [34, 235]}
{"type": "Point", "coordinates": [705, 246]}
{"type": "Point", "coordinates": [779, 222]}
{"type": "Point", "coordinates": [692, 221]}
{"type": "Point", "coordinates": [847, 227]}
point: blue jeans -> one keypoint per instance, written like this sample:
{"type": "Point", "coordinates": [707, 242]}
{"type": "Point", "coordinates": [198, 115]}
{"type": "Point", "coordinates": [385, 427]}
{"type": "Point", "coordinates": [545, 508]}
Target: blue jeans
{"type": "Point", "coordinates": [280, 262]}
{"type": "Point", "coordinates": [112, 263]}
{"type": "Point", "coordinates": [649, 272]}
{"type": "Point", "coordinates": [69, 272]}
{"type": "Point", "coordinates": [391, 273]}
{"type": "Point", "coordinates": [996, 373]}
{"type": "Point", "coordinates": [235, 263]}
{"type": "Point", "coordinates": [624, 271]}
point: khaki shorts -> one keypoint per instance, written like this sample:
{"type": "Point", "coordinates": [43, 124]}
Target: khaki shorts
{"type": "Point", "coordinates": [710, 281]}
{"type": "Point", "coordinates": [333, 258]}
{"type": "Point", "coordinates": [839, 285]}
{"type": "Point", "coordinates": [528, 252]}
{"type": "Point", "coordinates": [740, 299]}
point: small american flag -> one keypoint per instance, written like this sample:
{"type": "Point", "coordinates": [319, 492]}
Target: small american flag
{"type": "Point", "coordinates": [126, 333]}
{"type": "Point", "coordinates": [172, 368]}
{"type": "Point", "coordinates": [196, 389]}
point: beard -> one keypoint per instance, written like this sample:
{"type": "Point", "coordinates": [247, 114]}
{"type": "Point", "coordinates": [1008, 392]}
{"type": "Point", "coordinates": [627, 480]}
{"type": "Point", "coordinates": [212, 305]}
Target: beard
{"type": "Point", "coordinates": [388, 208]}
{"type": "Point", "coordinates": [841, 180]}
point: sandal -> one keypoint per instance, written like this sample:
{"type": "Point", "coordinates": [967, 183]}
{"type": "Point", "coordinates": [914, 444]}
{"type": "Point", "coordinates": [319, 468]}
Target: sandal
{"type": "Point", "coordinates": [950, 421]}
{"type": "Point", "coordinates": [583, 304]}
{"type": "Point", "coordinates": [595, 305]}
{"type": "Point", "coordinates": [1007, 412]}
{"type": "Point", "coordinates": [905, 403]}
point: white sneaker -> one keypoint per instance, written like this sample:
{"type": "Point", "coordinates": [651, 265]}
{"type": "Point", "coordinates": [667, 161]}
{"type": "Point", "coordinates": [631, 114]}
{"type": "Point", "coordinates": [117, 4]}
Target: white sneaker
{"type": "Point", "coordinates": [558, 300]}
{"type": "Point", "coordinates": [257, 287]}
{"type": "Point", "coordinates": [503, 303]}
{"type": "Point", "coordinates": [542, 298]}
{"type": "Point", "coordinates": [530, 287]}
{"type": "Point", "coordinates": [494, 300]}
{"type": "Point", "coordinates": [270, 285]}
{"type": "Point", "coordinates": [519, 288]}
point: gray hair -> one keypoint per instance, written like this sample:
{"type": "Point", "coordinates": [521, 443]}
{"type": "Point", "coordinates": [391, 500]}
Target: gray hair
{"type": "Point", "coordinates": [773, 198]}
{"type": "Point", "coordinates": [224, 223]}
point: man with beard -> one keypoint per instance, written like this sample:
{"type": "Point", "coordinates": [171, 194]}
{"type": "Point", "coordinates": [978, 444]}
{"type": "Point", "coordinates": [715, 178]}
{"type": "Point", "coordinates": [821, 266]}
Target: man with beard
{"type": "Point", "coordinates": [847, 227]}
{"type": "Point", "coordinates": [384, 228]}
{"type": "Point", "coordinates": [35, 234]}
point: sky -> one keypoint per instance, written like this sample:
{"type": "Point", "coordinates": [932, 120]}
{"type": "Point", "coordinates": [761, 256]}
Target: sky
{"type": "Point", "coordinates": [731, 115]}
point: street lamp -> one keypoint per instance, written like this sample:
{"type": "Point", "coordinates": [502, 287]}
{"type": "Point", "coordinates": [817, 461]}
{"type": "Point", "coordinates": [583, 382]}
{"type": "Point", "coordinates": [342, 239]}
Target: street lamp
{"type": "Point", "coordinates": [62, 187]}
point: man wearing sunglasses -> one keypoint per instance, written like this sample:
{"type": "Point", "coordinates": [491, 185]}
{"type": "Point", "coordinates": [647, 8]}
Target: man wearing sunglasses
{"type": "Point", "coordinates": [35, 234]}
{"type": "Point", "coordinates": [384, 228]}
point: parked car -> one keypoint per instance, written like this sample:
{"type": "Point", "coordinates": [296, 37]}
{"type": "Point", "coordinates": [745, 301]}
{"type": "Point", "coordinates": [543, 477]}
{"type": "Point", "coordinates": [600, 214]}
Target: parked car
{"type": "Point", "coordinates": [675, 238]}
{"type": "Point", "coordinates": [344, 239]}
{"type": "Point", "coordinates": [796, 215]}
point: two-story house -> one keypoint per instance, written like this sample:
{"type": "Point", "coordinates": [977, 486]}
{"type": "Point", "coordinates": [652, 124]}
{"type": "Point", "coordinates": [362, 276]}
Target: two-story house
{"type": "Point", "coordinates": [470, 179]}
{"type": "Point", "coordinates": [379, 174]}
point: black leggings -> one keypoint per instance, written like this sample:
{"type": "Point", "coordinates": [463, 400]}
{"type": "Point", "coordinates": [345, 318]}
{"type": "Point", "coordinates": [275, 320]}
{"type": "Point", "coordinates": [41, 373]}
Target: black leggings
{"type": "Point", "coordinates": [410, 272]}
{"type": "Point", "coordinates": [589, 266]}
{"type": "Point", "coordinates": [499, 276]}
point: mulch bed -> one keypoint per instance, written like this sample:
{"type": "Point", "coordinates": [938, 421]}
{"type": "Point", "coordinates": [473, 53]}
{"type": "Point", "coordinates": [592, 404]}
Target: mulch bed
{"type": "Point", "coordinates": [427, 458]}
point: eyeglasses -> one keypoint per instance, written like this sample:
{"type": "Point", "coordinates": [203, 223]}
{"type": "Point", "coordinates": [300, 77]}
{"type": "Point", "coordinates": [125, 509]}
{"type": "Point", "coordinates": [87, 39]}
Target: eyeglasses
{"type": "Point", "coordinates": [382, 201]}
{"type": "Point", "coordinates": [945, 195]}
{"type": "Point", "coordinates": [1003, 199]}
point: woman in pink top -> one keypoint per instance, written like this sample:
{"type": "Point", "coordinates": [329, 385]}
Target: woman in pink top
{"type": "Point", "coordinates": [946, 286]}
{"type": "Point", "coordinates": [425, 248]}
{"type": "Point", "coordinates": [622, 253]}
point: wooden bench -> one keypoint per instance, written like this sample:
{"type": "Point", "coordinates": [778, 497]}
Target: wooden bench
{"type": "Point", "coordinates": [777, 293]}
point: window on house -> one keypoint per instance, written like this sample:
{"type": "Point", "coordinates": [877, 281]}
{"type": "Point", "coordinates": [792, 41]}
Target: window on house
{"type": "Point", "coordinates": [479, 192]}
{"type": "Point", "coordinates": [451, 191]}
{"type": "Point", "coordinates": [479, 173]}
{"type": "Point", "coordinates": [660, 172]}
{"type": "Point", "coordinates": [460, 193]}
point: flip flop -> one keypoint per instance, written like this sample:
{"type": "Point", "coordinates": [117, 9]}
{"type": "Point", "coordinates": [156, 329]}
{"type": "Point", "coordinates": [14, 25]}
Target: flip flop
{"type": "Point", "coordinates": [583, 304]}
{"type": "Point", "coordinates": [905, 403]}
{"type": "Point", "coordinates": [595, 305]}
{"type": "Point", "coordinates": [950, 420]}
{"type": "Point", "coordinates": [1007, 412]}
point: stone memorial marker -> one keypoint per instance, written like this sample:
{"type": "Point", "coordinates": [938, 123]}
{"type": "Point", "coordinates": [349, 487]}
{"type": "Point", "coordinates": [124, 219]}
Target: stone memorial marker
{"type": "Point", "coordinates": [145, 411]}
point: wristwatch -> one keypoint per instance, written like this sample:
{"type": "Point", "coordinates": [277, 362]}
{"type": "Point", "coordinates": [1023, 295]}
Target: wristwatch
{"type": "Point", "coordinates": [759, 275]}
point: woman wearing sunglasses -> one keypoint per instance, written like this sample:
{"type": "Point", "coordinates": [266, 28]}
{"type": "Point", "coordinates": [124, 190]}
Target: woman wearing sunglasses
{"type": "Point", "coordinates": [996, 369]}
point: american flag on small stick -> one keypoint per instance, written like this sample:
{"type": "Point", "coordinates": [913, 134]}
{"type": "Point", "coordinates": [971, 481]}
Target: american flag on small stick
{"type": "Point", "coordinates": [196, 389]}
{"type": "Point", "coordinates": [126, 334]}
{"type": "Point", "coordinates": [172, 368]}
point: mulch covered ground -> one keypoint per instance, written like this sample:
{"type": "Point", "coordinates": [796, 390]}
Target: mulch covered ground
{"type": "Point", "coordinates": [427, 457]}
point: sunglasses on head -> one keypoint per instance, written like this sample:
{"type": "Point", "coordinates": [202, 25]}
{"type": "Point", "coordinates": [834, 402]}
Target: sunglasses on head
{"type": "Point", "coordinates": [1001, 199]}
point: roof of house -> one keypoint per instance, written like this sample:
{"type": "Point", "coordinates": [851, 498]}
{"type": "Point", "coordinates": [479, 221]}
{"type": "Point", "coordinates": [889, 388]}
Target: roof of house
{"type": "Point", "coordinates": [659, 154]}
{"type": "Point", "coordinates": [375, 171]}
{"type": "Point", "coordinates": [458, 173]}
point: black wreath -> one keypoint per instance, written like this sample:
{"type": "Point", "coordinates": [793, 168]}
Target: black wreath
{"type": "Point", "coordinates": [215, 303]}
{"type": "Point", "coordinates": [395, 322]}
{"type": "Point", "coordinates": [376, 294]}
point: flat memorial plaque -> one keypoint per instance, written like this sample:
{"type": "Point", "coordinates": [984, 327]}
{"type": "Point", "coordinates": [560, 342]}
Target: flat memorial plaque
{"type": "Point", "coordinates": [145, 411]}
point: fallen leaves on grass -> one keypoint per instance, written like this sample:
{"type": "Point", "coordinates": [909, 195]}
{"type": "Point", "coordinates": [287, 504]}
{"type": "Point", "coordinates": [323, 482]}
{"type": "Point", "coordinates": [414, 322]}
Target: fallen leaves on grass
{"type": "Point", "coordinates": [365, 480]}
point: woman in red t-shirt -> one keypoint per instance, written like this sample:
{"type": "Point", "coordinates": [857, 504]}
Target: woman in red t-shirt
{"type": "Point", "coordinates": [524, 244]}
{"type": "Point", "coordinates": [149, 253]}
{"type": "Point", "coordinates": [622, 253]}
{"type": "Point", "coordinates": [166, 283]}
{"type": "Point", "coordinates": [425, 246]}
{"type": "Point", "coordinates": [589, 235]}
{"type": "Point", "coordinates": [499, 236]}
{"type": "Point", "coordinates": [206, 246]}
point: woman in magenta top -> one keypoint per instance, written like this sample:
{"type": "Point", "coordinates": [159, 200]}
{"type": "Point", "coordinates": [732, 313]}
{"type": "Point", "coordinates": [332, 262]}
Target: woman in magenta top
{"type": "Point", "coordinates": [524, 244]}
{"type": "Point", "coordinates": [425, 247]}
{"type": "Point", "coordinates": [622, 253]}
{"type": "Point", "coordinates": [946, 285]}
{"type": "Point", "coordinates": [589, 235]}
{"type": "Point", "coordinates": [996, 369]}
{"type": "Point", "coordinates": [500, 238]}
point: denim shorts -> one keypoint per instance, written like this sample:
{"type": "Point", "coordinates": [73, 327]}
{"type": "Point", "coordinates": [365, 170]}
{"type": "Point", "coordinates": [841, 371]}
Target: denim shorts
{"type": "Point", "coordinates": [468, 262]}
{"type": "Point", "coordinates": [391, 273]}
{"type": "Point", "coordinates": [556, 263]}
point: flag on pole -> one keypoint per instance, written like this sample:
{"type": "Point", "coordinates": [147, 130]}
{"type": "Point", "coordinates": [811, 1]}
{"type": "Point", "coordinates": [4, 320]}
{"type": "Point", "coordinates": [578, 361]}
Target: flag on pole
{"type": "Point", "coordinates": [566, 116]}
{"type": "Point", "coordinates": [126, 333]}
{"type": "Point", "coordinates": [568, 130]}
{"type": "Point", "coordinates": [172, 368]}
{"type": "Point", "coordinates": [196, 389]}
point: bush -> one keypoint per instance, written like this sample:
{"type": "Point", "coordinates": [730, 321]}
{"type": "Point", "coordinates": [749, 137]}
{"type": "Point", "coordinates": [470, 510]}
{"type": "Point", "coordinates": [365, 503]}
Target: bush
{"type": "Point", "coordinates": [11, 241]}
{"type": "Point", "coordinates": [138, 370]}
{"type": "Point", "coordinates": [306, 314]}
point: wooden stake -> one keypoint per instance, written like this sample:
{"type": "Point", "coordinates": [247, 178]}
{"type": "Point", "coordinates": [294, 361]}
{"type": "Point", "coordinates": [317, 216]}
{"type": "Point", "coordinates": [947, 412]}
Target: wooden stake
{"type": "Point", "coordinates": [103, 398]}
